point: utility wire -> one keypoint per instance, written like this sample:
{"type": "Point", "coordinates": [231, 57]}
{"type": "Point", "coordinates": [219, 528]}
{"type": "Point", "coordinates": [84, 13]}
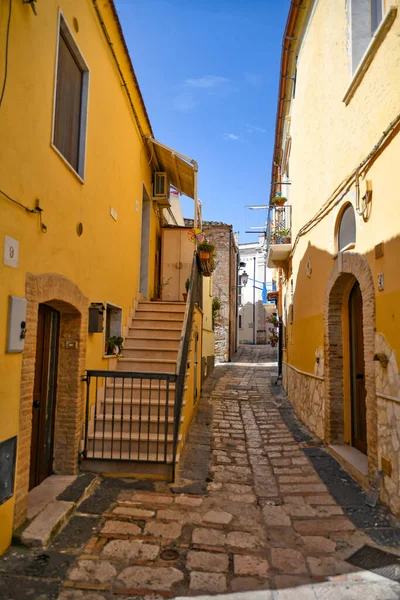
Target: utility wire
{"type": "Point", "coordinates": [30, 210]}
{"type": "Point", "coordinates": [6, 54]}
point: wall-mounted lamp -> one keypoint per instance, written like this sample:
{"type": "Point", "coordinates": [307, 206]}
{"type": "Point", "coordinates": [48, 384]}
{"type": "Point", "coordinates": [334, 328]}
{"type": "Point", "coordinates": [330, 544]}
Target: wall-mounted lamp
{"type": "Point", "coordinates": [245, 278]}
{"type": "Point", "coordinates": [31, 4]}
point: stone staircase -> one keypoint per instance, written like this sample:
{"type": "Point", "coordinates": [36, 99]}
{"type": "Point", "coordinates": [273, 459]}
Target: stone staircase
{"type": "Point", "coordinates": [132, 420]}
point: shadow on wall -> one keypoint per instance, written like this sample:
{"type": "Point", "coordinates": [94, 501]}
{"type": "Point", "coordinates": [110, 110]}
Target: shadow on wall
{"type": "Point", "coordinates": [323, 400]}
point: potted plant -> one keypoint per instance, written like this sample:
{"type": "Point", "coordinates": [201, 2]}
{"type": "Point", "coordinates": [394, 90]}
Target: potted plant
{"type": "Point", "coordinates": [286, 234]}
{"type": "Point", "coordinates": [273, 338]}
{"type": "Point", "coordinates": [114, 345]}
{"type": "Point", "coordinates": [187, 285]}
{"type": "Point", "coordinates": [272, 319]}
{"type": "Point", "coordinates": [278, 200]}
{"type": "Point", "coordinates": [158, 288]}
{"type": "Point", "coordinates": [205, 250]}
{"type": "Point", "coordinates": [216, 306]}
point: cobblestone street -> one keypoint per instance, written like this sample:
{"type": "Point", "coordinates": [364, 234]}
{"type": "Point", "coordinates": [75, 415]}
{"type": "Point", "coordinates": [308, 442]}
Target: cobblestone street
{"type": "Point", "coordinates": [278, 518]}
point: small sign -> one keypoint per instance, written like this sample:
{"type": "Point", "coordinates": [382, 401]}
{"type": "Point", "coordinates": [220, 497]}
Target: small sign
{"type": "Point", "coordinates": [11, 252]}
{"type": "Point", "coordinates": [381, 282]}
{"type": "Point", "coordinates": [71, 344]}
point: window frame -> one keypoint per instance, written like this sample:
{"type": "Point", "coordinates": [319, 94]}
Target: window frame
{"type": "Point", "coordinates": [110, 307]}
{"type": "Point", "coordinates": [63, 30]}
{"type": "Point", "coordinates": [339, 219]}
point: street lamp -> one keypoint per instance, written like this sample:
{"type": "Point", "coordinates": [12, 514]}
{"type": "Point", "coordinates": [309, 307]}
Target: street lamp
{"type": "Point", "coordinates": [244, 278]}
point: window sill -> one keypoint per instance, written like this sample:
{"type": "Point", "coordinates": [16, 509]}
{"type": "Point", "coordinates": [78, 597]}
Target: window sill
{"type": "Point", "coordinates": [370, 52]}
{"type": "Point", "coordinates": [70, 167]}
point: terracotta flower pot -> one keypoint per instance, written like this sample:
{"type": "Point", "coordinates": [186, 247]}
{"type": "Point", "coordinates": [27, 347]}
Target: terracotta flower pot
{"type": "Point", "coordinates": [184, 297]}
{"type": "Point", "coordinates": [203, 255]}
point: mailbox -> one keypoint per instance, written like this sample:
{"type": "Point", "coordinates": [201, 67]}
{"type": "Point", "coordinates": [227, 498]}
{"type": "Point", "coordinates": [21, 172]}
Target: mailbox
{"type": "Point", "coordinates": [96, 310]}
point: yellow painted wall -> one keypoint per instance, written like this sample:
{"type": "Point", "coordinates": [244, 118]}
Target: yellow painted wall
{"type": "Point", "coordinates": [104, 261]}
{"type": "Point", "coordinates": [190, 407]}
{"type": "Point", "coordinates": [329, 140]}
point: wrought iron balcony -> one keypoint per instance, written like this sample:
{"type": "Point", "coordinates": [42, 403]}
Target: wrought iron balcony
{"type": "Point", "coordinates": [279, 234]}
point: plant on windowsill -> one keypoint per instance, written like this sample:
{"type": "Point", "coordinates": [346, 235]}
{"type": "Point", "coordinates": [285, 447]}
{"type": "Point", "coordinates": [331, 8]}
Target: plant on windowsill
{"type": "Point", "coordinates": [187, 285]}
{"type": "Point", "coordinates": [114, 345]}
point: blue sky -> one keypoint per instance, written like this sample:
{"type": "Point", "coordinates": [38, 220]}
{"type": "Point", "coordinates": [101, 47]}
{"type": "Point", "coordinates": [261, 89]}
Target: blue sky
{"type": "Point", "coordinates": [208, 71]}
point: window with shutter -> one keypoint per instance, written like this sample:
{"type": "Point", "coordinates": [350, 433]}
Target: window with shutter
{"type": "Point", "coordinates": [70, 112]}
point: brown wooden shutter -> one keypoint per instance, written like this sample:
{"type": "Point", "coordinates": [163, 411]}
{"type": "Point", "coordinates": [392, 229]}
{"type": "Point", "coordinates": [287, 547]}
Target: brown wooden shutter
{"type": "Point", "coordinates": [68, 105]}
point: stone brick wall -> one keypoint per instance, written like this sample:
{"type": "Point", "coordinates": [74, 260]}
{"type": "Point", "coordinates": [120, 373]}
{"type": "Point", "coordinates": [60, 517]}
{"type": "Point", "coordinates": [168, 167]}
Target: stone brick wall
{"type": "Point", "coordinates": [306, 394]}
{"type": "Point", "coordinates": [63, 295]}
{"type": "Point", "coordinates": [349, 267]}
{"type": "Point", "coordinates": [224, 287]}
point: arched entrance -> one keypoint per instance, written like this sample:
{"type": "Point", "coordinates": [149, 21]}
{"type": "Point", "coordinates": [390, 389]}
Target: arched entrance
{"type": "Point", "coordinates": [349, 340]}
{"type": "Point", "coordinates": [56, 303]}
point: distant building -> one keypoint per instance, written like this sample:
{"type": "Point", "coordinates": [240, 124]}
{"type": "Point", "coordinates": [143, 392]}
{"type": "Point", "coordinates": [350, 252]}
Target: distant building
{"type": "Point", "coordinates": [252, 299]}
{"type": "Point", "coordinates": [224, 287]}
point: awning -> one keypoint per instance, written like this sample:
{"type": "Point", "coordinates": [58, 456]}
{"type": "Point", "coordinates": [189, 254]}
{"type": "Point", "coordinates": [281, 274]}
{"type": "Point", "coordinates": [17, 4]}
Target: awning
{"type": "Point", "coordinates": [182, 171]}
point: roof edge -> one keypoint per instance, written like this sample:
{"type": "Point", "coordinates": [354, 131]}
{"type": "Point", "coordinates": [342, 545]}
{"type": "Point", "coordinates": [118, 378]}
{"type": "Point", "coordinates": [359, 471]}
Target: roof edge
{"type": "Point", "coordinates": [125, 47]}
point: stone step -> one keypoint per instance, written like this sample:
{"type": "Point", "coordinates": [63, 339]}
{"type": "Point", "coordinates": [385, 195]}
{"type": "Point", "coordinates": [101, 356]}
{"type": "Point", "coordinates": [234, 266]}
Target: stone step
{"type": "Point", "coordinates": [157, 324]}
{"type": "Point", "coordinates": [162, 306]}
{"type": "Point", "coordinates": [145, 313]}
{"type": "Point", "coordinates": [159, 352]}
{"type": "Point", "coordinates": [146, 365]}
{"type": "Point", "coordinates": [118, 406]}
{"type": "Point", "coordinates": [113, 445]}
{"type": "Point", "coordinates": [153, 424]}
{"type": "Point", "coordinates": [145, 342]}
{"type": "Point", "coordinates": [97, 462]}
{"type": "Point", "coordinates": [152, 331]}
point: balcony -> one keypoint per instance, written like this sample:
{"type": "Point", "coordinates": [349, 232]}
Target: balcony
{"type": "Point", "coordinates": [279, 235]}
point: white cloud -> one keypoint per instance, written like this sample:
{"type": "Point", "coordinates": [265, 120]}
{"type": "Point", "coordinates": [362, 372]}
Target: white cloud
{"type": "Point", "coordinates": [254, 129]}
{"type": "Point", "coordinates": [208, 81]}
{"type": "Point", "coordinates": [231, 137]}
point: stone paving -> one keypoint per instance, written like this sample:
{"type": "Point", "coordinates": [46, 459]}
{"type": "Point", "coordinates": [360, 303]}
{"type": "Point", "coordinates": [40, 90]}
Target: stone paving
{"type": "Point", "coordinates": [267, 527]}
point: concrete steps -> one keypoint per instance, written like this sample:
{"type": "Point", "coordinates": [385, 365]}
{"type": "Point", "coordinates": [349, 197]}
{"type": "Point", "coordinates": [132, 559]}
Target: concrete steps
{"type": "Point", "coordinates": [134, 420]}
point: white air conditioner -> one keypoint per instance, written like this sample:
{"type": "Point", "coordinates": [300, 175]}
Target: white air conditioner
{"type": "Point", "coordinates": [161, 188]}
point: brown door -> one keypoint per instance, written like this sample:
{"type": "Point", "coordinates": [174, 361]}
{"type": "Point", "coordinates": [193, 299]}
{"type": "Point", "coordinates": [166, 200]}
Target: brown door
{"type": "Point", "coordinates": [357, 373]}
{"type": "Point", "coordinates": [44, 395]}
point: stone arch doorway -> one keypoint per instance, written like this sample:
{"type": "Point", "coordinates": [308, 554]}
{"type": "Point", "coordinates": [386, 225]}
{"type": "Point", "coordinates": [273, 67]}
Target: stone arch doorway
{"type": "Point", "coordinates": [60, 295]}
{"type": "Point", "coordinates": [349, 271]}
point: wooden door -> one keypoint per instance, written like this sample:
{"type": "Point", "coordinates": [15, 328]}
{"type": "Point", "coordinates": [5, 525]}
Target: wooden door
{"type": "Point", "coordinates": [177, 256]}
{"type": "Point", "coordinates": [44, 395]}
{"type": "Point", "coordinates": [357, 371]}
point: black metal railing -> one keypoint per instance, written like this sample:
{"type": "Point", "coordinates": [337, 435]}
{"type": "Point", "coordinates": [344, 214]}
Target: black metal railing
{"type": "Point", "coordinates": [195, 296]}
{"type": "Point", "coordinates": [136, 416]}
{"type": "Point", "coordinates": [129, 416]}
{"type": "Point", "coordinates": [279, 225]}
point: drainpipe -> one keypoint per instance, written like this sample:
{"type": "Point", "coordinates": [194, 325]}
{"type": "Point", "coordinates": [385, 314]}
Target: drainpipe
{"type": "Point", "coordinates": [196, 202]}
{"type": "Point", "coordinates": [254, 301]}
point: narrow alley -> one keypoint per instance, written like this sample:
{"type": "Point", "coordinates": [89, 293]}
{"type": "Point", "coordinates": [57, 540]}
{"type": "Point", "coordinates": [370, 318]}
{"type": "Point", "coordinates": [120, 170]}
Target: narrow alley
{"type": "Point", "coordinates": [261, 512]}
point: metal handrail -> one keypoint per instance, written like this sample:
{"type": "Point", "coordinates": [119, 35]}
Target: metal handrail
{"type": "Point", "coordinates": [279, 218]}
{"type": "Point", "coordinates": [194, 297]}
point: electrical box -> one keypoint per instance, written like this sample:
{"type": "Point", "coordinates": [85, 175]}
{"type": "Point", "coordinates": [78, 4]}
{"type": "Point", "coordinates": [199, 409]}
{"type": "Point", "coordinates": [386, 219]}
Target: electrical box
{"type": "Point", "coordinates": [7, 468]}
{"type": "Point", "coordinates": [16, 324]}
{"type": "Point", "coordinates": [96, 311]}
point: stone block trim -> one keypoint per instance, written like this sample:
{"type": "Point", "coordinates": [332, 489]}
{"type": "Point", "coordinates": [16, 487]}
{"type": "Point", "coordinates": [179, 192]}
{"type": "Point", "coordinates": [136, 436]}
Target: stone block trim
{"type": "Point", "coordinates": [63, 295]}
{"type": "Point", "coordinates": [348, 268]}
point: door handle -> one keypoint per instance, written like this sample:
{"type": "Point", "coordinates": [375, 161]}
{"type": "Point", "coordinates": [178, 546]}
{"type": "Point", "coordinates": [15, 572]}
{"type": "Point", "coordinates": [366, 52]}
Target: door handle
{"type": "Point", "coordinates": [36, 404]}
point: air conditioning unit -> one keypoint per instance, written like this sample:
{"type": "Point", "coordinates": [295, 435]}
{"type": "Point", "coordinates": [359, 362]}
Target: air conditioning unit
{"type": "Point", "coordinates": [161, 188]}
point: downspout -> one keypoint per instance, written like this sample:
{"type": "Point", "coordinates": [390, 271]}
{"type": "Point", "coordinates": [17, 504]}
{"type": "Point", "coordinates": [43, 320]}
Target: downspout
{"type": "Point", "coordinates": [195, 193]}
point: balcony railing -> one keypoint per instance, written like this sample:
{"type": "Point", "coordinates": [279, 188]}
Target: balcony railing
{"type": "Point", "coordinates": [279, 233]}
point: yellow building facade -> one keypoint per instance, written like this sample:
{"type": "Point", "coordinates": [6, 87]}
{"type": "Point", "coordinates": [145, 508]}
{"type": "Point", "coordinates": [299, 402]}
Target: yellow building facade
{"type": "Point", "coordinates": [335, 156]}
{"type": "Point", "coordinates": [78, 225]}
